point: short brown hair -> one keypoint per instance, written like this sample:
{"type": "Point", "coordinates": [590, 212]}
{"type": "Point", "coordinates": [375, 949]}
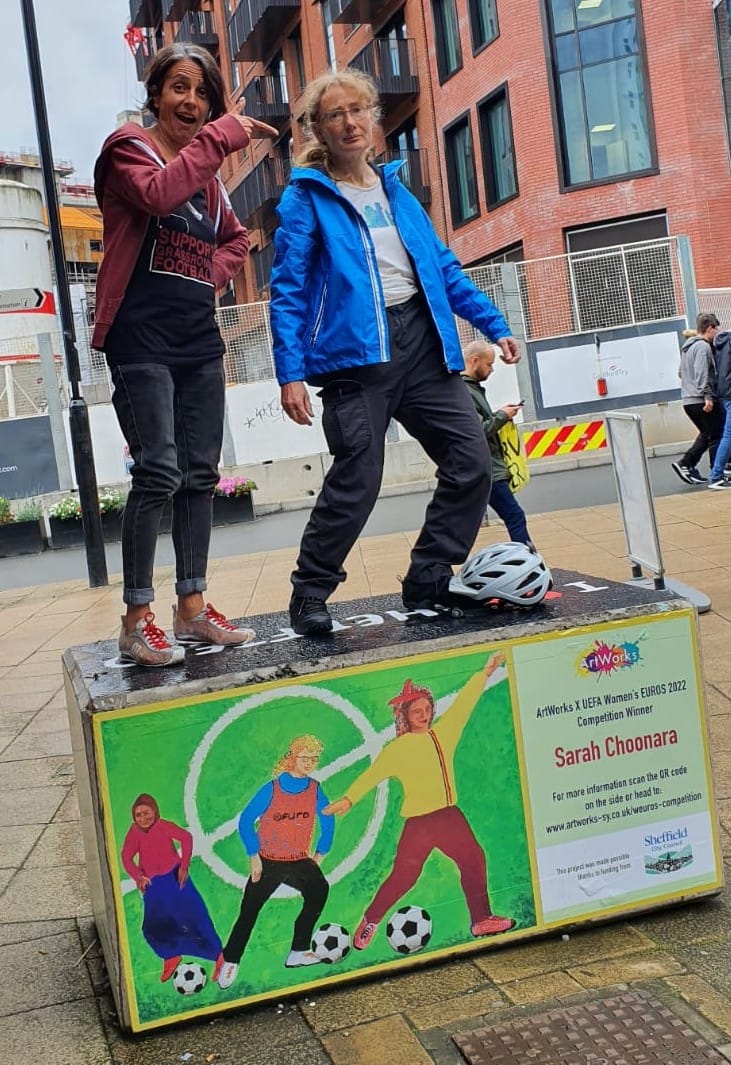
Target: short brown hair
{"type": "Point", "coordinates": [706, 321]}
{"type": "Point", "coordinates": [172, 54]}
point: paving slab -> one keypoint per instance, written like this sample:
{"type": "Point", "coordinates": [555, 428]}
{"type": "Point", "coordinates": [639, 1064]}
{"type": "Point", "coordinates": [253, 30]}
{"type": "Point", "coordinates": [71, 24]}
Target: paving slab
{"type": "Point", "coordinates": [34, 774]}
{"type": "Point", "coordinates": [28, 806]}
{"type": "Point", "coordinates": [67, 1034]}
{"type": "Point", "coordinates": [386, 1040]}
{"type": "Point", "coordinates": [16, 843]}
{"type": "Point", "coordinates": [45, 972]}
{"type": "Point", "coordinates": [27, 931]}
{"type": "Point", "coordinates": [59, 844]}
{"type": "Point", "coordinates": [269, 1036]}
{"type": "Point", "coordinates": [60, 891]}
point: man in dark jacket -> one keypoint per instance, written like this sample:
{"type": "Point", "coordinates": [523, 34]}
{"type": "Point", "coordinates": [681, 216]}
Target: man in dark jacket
{"type": "Point", "coordinates": [697, 392]}
{"type": "Point", "coordinates": [722, 347]}
{"type": "Point", "coordinates": [479, 359]}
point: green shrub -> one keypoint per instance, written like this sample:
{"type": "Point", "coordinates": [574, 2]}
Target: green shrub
{"type": "Point", "coordinates": [6, 514]}
{"type": "Point", "coordinates": [112, 501]}
{"type": "Point", "coordinates": [29, 511]}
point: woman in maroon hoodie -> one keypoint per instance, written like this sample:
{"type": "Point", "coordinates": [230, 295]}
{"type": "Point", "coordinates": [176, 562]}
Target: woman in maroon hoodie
{"type": "Point", "coordinates": [171, 239]}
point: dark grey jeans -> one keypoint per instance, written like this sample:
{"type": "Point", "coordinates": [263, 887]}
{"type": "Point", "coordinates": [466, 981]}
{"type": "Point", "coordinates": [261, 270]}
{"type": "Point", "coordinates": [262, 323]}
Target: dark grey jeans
{"type": "Point", "coordinates": [435, 408]}
{"type": "Point", "coordinates": [172, 420]}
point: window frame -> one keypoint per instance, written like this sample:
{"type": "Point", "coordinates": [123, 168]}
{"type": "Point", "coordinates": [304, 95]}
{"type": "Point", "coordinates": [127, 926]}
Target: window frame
{"type": "Point", "coordinates": [439, 35]}
{"type": "Point", "coordinates": [465, 119]}
{"type": "Point", "coordinates": [564, 185]}
{"type": "Point", "coordinates": [477, 48]}
{"type": "Point", "coordinates": [500, 91]}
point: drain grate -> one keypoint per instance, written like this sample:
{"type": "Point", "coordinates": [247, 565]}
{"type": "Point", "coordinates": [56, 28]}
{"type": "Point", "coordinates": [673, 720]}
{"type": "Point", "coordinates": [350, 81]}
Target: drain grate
{"type": "Point", "coordinates": [628, 1029]}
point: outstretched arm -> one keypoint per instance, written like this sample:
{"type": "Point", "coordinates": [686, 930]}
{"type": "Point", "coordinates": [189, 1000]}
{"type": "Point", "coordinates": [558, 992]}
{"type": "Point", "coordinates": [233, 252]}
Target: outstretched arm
{"type": "Point", "coordinates": [452, 722]}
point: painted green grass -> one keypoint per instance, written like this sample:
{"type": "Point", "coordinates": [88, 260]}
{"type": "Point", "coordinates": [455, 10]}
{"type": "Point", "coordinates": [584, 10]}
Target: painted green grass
{"type": "Point", "coordinates": [152, 753]}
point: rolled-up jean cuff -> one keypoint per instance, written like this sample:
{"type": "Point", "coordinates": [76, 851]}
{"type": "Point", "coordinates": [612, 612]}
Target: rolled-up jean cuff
{"type": "Point", "coordinates": [193, 584]}
{"type": "Point", "coordinates": [138, 596]}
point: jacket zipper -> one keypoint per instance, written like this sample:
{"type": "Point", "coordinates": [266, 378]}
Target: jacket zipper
{"type": "Point", "coordinates": [374, 288]}
{"type": "Point", "coordinates": [318, 319]}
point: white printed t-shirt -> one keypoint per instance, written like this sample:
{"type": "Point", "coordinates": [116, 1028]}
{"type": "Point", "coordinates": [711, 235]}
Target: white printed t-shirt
{"type": "Point", "coordinates": [394, 265]}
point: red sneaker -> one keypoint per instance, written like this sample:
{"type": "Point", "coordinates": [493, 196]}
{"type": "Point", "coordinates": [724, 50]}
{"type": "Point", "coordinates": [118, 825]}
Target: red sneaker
{"type": "Point", "coordinates": [168, 967]}
{"type": "Point", "coordinates": [364, 933]}
{"type": "Point", "coordinates": [490, 926]}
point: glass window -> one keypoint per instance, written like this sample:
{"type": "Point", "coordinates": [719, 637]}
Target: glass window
{"type": "Point", "coordinates": [446, 33]}
{"type": "Point", "coordinates": [498, 155]}
{"type": "Point", "coordinates": [603, 111]}
{"type": "Point", "coordinates": [722, 15]}
{"type": "Point", "coordinates": [327, 21]}
{"type": "Point", "coordinates": [295, 40]}
{"type": "Point", "coordinates": [461, 175]}
{"type": "Point", "coordinates": [483, 22]}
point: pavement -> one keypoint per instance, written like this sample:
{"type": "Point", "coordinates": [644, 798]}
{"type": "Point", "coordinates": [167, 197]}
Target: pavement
{"type": "Point", "coordinates": [55, 1008]}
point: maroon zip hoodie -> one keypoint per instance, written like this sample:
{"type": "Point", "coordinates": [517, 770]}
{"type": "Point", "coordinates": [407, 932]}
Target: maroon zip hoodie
{"type": "Point", "coordinates": [133, 183]}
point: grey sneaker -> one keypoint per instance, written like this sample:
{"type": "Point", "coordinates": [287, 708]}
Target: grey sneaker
{"type": "Point", "coordinates": [209, 627]}
{"type": "Point", "coordinates": [721, 482]}
{"type": "Point", "coordinates": [147, 645]}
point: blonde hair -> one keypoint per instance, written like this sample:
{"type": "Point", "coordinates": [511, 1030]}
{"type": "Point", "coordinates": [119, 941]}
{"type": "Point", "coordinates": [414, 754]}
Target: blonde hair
{"type": "Point", "coordinates": [314, 152]}
{"type": "Point", "coordinates": [299, 745]}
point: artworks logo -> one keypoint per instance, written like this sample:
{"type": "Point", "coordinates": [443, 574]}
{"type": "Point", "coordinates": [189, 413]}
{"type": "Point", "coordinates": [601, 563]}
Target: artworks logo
{"type": "Point", "coordinates": [608, 658]}
{"type": "Point", "coordinates": [659, 859]}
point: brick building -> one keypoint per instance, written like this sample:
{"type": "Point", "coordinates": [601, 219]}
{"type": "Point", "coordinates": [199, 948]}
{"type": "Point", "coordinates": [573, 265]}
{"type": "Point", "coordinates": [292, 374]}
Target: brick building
{"type": "Point", "coordinates": [528, 128]}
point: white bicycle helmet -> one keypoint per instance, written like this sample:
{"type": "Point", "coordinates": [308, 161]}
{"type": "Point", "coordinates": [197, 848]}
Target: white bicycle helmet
{"type": "Point", "coordinates": [512, 572]}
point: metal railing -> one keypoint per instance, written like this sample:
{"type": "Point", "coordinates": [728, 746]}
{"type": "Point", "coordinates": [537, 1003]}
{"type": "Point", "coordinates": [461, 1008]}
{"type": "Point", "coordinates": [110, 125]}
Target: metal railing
{"type": "Point", "coordinates": [715, 301]}
{"type": "Point", "coordinates": [173, 10]}
{"type": "Point", "coordinates": [392, 65]}
{"type": "Point", "coordinates": [144, 12]}
{"type": "Point", "coordinates": [146, 51]}
{"type": "Point", "coordinates": [255, 198]}
{"type": "Point", "coordinates": [198, 27]}
{"type": "Point", "coordinates": [414, 174]}
{"type": "Point", "coordinates": [561, 296]}
{"type": "Point", "coordinates": [255, 25]}
{"type": "Point", "coordinates": [357, 11]}
{"type": "Point", "coordinates": [266, 98]}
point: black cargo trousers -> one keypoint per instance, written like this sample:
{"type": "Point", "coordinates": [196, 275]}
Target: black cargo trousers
{"type": "Point", "coordinates": [434, 407]}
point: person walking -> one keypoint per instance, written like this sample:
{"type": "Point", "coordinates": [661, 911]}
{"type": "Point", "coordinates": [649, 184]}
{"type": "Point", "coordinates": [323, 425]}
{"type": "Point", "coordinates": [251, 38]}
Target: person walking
{"type": "Point", "coordinates": [171, 240]}
{"type": "Point", "coordinates": [479, 359]}
{"type": "Point", "coordinates": [719, 478]}
{"type": "Point", "coordinates": [697, 392]}
{"type": "Point", "coordinates": [363, 294]}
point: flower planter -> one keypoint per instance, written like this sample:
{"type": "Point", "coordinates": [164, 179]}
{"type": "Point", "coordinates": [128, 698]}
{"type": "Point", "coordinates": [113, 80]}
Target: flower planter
{"type": "Point", "coordinates": [66, 533]}
{"type": "Point", "coordinates": [112, 526]}
{"type": "Point", "coordinates": [230, 510]}
{"type": "Point", "coordinates": [21, 538]}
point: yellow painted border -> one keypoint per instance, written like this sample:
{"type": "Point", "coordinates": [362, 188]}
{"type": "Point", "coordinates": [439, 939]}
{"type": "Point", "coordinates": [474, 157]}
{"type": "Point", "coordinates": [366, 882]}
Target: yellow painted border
{"type": "Point", "coordinates": [541, 925]}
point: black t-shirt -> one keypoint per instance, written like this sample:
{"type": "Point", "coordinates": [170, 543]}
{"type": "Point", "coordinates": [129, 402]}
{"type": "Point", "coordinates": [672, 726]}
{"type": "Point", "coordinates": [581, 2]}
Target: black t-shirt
{"type": "Point", "coordinates": [168, 311]}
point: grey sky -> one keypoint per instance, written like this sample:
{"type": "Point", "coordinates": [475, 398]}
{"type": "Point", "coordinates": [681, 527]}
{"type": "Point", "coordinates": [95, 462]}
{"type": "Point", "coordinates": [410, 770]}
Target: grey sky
{"type": "Point", "coordinates": [88, 71]}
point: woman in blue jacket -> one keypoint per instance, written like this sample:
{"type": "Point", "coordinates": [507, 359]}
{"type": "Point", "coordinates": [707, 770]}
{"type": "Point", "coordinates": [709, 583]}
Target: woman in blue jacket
{"type": "Point", "coordinates": [363, 295]}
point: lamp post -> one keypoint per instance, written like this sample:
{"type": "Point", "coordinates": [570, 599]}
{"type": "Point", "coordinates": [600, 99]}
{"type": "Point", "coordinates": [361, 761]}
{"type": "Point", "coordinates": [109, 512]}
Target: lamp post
{"type": "Point", "coordinates": [81, 443]}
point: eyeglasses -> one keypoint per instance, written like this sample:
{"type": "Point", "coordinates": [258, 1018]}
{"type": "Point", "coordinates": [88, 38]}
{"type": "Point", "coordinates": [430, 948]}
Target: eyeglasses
{"type": "Point", "coordinates": [337, 117]}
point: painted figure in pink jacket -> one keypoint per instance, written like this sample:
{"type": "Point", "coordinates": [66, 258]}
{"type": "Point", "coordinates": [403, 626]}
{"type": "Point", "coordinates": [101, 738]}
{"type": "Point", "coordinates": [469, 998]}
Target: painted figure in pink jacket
{"type": "Point", "coordinates": [156, 853]}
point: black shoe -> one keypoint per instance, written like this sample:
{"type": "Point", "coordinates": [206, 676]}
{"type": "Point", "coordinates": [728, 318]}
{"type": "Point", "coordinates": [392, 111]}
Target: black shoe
{"type": "Point", "coordinates": [696, 477]}
{"type": "Point", "coordinates": [309, 616]}
{"type": "Point", "coordinates": [683, 472]}
{"type": "Point", "coordinates": [433, 595]}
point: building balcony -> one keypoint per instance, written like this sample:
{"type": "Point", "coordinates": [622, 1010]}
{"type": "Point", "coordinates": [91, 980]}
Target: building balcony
{"type": "Point", "coordinates": [414, 173]}
{"type": "Point", "coordinates": [258, 194]}
{"type": "Point", "coordinates": [256, 26]}
{"type": "Point", "coordinates": [266, 98]}
{"type": "Point", "coordinates": [146, 52]}
{"type": "Point", "coordinates": [144, 12]}
{"type": "Point", "coordinates": [198, 27]}
{"type": "Point", "coordinates": [173, 10]}
{"type": "Point", "coordinates": [392, 65]}
{"type": "Point", "coordinates": [358, 11]}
